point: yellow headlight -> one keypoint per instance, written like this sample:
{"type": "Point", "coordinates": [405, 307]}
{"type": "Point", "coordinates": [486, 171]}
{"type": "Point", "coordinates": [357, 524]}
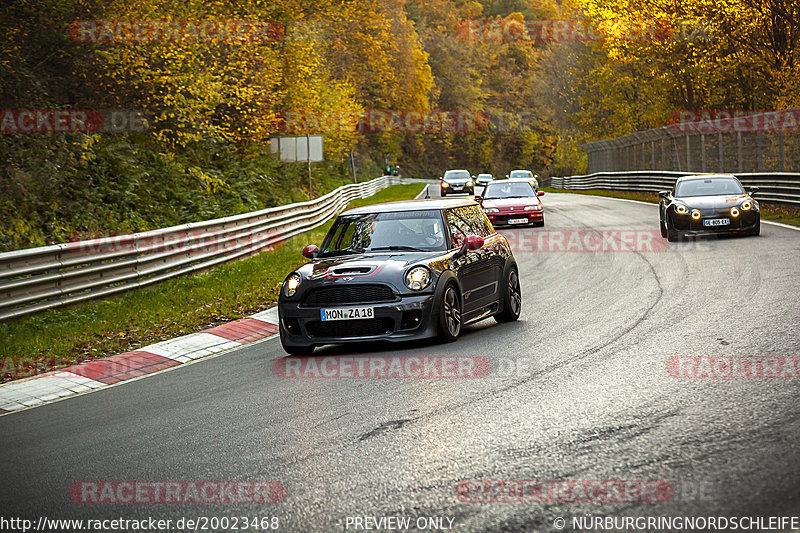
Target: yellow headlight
{"type": "Point", "coordinates": [291, 284]}
{"type": "Point", "coordinates": [747, 206]}
{"type": "Point", "coordinates": [696, 214]}
{"type": "Point", "coordinates": [734, 212]}
{"type": "Point", "coordinates": [681, 210]}
{"type": "Point", "coordinates": [418, 278]}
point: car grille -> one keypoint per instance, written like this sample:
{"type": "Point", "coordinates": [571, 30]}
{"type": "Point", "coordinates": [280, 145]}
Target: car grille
{"type": "Point", "coordinates": [349, 294]}
{"type": "Point", "coordinates": [350, 328]}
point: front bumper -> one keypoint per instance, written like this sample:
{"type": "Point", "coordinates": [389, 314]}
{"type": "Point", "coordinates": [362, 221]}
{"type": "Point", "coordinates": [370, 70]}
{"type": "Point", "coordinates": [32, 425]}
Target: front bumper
{"type": "Point", "coordinates": [501, 219]}
{"type": "Point", "coordinates": [410, 318]}
{"type": "Point", "coordinates": [465, 189]}
{"type": "Point", "coordinates": [746, 221]}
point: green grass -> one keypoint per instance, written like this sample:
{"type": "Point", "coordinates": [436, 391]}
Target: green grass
{"type": "Point", "coordinates": [778, 213]}
{"type": "Point", "coordinates": [179, 306]}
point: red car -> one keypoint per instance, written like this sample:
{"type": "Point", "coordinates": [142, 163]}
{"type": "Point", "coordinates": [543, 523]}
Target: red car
{"type": "Point", "coordinates": [512, 203]}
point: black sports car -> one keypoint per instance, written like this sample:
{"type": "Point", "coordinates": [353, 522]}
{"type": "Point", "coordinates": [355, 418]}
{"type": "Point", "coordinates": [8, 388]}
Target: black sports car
{"type": "Point", "coordinates": [708, 204]}
{"type": "Point", "coordinates": [400, 271]}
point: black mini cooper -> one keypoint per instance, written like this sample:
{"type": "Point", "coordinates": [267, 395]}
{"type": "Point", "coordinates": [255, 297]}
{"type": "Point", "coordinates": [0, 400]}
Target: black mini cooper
{"type": "Point", "coordinates": [400, 271]}
{"type": "Point", "coordinates": [713, 203]}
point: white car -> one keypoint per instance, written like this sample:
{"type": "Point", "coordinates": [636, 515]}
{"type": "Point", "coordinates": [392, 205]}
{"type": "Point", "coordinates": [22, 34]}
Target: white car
{"type": "Point", "coordinates": [526, 175]}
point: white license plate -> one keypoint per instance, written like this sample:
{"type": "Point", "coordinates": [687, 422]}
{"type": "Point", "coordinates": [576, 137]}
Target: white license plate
{"type": "Point", "coordinates": [351, 313]}
{"type": "Point", "coordinates": [717, 222]}
{"type": "Point", "coordinates": [517, 220]}
{"type": "Point", "coordinates": [458, 188]}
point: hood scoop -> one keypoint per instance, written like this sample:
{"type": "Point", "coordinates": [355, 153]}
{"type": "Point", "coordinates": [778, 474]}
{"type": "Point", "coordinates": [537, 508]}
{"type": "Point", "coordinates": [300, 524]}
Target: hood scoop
{"type": "Point", "coordinates": [350, 270]}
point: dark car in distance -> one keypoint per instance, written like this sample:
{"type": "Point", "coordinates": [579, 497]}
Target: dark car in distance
{"type": "Point", "coordinates": [708, 204]}
{"type": "Point", "coordinates": [400, 271]}
{"type": "Point", "coordinates": [457, 181]}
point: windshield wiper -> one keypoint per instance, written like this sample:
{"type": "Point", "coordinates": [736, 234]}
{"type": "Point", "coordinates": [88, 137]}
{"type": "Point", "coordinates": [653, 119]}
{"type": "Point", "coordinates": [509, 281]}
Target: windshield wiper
{"type": "Point", "coordinates": [396, 248]}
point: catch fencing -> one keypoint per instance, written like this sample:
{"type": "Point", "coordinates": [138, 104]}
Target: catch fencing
{"type": "Point", "coordinates": [719, 141]}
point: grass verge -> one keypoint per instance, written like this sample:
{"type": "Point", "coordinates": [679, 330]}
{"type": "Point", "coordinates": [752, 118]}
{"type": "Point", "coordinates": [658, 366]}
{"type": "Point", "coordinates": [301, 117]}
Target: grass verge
{"type": "Point", "coordinates": [99, 328]}
{"type": "Point", "coordinates": [777, 213]}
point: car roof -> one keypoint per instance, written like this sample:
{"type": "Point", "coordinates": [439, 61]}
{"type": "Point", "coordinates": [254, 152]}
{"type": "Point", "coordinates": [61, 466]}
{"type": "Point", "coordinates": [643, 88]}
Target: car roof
{"type": "Point", "coordinates": [410, 205]}
{"type": "Point", "coordinates": [706, 176]}
{"type": "Point", "coordinates": [521, 170]}
{"type": "Point", "coordinates": [457, 170]}
{"type": "Point", "coordinates": [512, 180]}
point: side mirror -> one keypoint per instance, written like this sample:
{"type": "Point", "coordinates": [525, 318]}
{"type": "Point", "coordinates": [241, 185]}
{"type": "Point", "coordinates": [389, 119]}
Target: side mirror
{"type": "Point", "coordinates": [753, 190]}
{"type": "Point", "coordinates": [478, 198]}
{"type": "Point", "coordinates": [473, 176]}
{"type": "Point", "coordinates": [473, 242]}
{"type": "Point", "coordinates": [540, 193]}
{"type": "Point", "coordinates": [506, 176]}
{"type": "Point", "coordinates": [663, 194]}
{"type": "Point", "coordinates": [310, 251]}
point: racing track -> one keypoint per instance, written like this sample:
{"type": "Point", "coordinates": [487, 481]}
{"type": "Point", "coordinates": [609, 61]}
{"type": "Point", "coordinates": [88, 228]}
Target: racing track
{"type": "Point", "coordinates": [595, 402]}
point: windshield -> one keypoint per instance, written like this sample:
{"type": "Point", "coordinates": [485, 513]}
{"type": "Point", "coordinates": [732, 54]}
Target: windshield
{"type": "Point", "coordinates": [520, 174]}
{"type": "Point", "coordinates": [484, 175]}
{"type": "Point", "coordinates": [406, 231]}
{"type": "Point", "coordinates": [456, 175]}
{"type": "Point", "coordinates": [708, 187]}
{"type": "Point", "coordinates": [516, 189]}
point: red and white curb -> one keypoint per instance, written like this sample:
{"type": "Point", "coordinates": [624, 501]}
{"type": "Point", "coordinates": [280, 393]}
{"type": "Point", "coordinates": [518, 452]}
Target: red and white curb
{"type": "Point", "coordinates": [87, 377]}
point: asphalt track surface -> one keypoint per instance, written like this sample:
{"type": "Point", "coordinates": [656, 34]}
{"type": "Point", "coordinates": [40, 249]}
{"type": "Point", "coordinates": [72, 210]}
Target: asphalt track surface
{"type": "Point", "coordinates": [594, 402]}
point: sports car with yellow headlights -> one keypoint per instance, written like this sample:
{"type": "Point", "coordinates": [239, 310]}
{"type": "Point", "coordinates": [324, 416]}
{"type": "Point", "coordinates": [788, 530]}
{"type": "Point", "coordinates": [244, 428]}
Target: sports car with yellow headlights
{"type": "Point", "coordinates": [708, 204]}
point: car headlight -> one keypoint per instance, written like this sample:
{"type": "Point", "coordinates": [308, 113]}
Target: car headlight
{"type": "Point", "coordinates": [418, 278]}
{"type": "Point", "coordinates": [734, 212]}
{"type": "Point", "coordinates": [747, 205]}
{"type": "Point", "coordinates": [696, 214]}
{"type": "Point", "coordinates": [533, 208]}
{"type": "Point", "coordinates": [291, 284]}
{"type": "Point", "coordinates": [681, 209]}
{"type": "Point", "coordinates": [492, 210]}
{"type": "Point", "coordinates": [445, 184]}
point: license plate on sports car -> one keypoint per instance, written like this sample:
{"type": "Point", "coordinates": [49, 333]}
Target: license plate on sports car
{"type": "Point", "coordinates": [717, 222]}
{"type": "Point", "coordinates": [352, 313]}
{"type": "Point", "coordinates": [517, 220]}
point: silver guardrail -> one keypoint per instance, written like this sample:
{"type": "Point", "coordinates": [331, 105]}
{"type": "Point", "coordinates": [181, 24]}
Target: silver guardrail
{"type": "Point", "coordinates": [773, 187]}
{"type": "Point", "coordinates": [42, 278]}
